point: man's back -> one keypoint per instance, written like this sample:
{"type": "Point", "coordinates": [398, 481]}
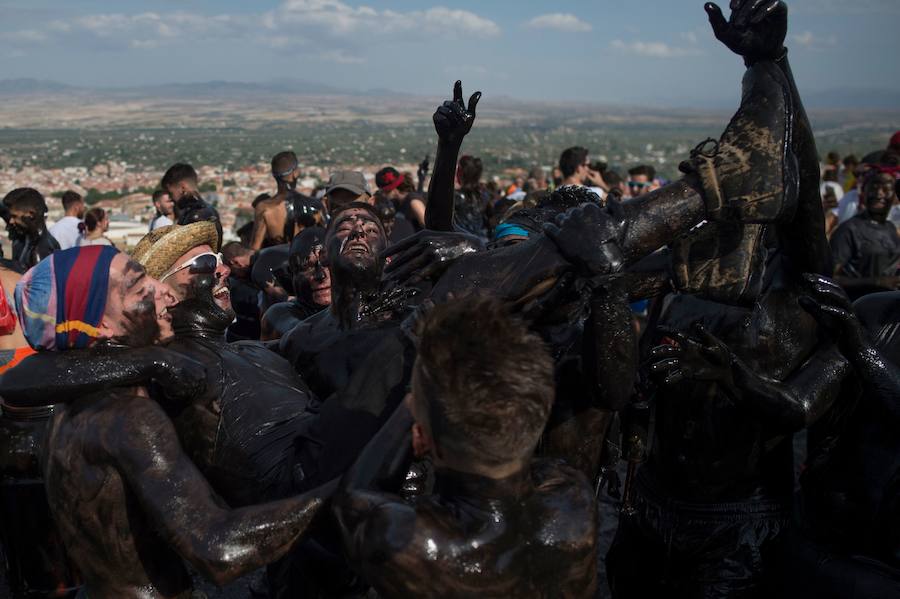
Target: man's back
{"type": "Point", "coordinates": [529, 535]}
{"type": "Point", "coordinates": [270, 220]}
{"type": "Point", "coordinates": [100, 518]}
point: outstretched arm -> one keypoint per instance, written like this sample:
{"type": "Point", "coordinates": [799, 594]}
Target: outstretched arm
{"type": "Point", "coordinates": [221, 543]}
{"type": "Point", "coordinates": [47, 378]}
{"type": "Point", "coordinates": [789, 405]}
{"type": "Point", "coordinates": [453, 120]}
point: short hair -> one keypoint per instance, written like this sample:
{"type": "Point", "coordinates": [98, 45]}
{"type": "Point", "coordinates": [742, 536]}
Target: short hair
{"type": "Point", "coordinates": [571, 159]}
{"type": "Point", "coordinates": [283, 161]}
{"type": "Point", "coordinates": [158, 194]}
{"type": "Point", "coordinates": [26, 198]}
{"type": "Point", "coordinates": [612, 178]}
{"type": "Point", "coordinates": [469, 171]}
{"type": "Point", "coordinates": [484, 380]}
{"type": "Point", "coordinates": [177, 173]}
{"type": "Point", "coordinates": [234, 249]}
{"type": "Point", "coordinates": [70, 198]}
{"type": "Point", "coordinates": [643, 169]}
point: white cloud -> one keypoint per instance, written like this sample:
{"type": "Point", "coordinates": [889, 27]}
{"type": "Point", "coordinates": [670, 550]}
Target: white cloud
{"type": "Point", "coordinates": [293, 23]}
{"type": "Point", "coordinates": [690, 37]}
{"type": "Point", "coordinates": [807, 39]}
{"type": "Point", "coordinates": [559, 22]}
{"type": "Point", "coordinates": [653, 49]}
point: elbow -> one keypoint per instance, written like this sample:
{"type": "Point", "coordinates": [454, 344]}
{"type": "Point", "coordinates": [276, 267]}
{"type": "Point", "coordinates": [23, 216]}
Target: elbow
{"type": "Point", "coordinates": [222, 562]}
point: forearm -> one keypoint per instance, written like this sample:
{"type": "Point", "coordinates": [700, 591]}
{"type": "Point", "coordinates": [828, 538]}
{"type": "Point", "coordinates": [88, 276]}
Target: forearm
{"type": "Point", "coordinates": [244, 540]}
{"type": "Point", "coordinates": [880, 377]}
{"type": "Point", "coordinates": [47, 378]}
{"type": "Point", "coordinates": [610, 349]}
{"type": "Point", "coordinates": [654, 219]}
{"type": "Point", "coordinates": [797, 402]}
{"type": "Point", "coordinates": [649, 277]}
{"type": "Point", "coordinates": [439, 211]}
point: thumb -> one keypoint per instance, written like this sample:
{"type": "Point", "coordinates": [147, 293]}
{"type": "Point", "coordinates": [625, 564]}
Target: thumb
{"type": "Point", "coordinates": [716, 18]}
{"type": "Point", "coordinates": [473, 102]}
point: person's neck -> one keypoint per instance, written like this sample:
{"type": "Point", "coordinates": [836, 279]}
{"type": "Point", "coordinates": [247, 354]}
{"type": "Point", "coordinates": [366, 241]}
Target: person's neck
{"type": "Point", "coordinates": [878, 218]}
{"type": "Point", "coordinates": [75, 214]}
{"type": "Point", "coordinates": [350, 294]}
{"type": "Point", "coordinates": [512, 481]}
{"type": "Point", "coordinates": [95, 234]}
{"type": "Point", "coordinates": [573, 180]}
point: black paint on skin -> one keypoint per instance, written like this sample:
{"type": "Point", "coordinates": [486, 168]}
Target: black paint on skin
{"type": "Point", "coordinates": [141, 325]}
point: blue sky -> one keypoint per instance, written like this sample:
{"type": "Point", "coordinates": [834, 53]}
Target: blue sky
{"type": "Point", "coordinates": [653, 52]}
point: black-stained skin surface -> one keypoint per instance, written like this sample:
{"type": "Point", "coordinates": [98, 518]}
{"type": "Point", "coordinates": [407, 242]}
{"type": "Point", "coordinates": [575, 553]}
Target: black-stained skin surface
{"type": "Point", "coordinates": [130, 504]}
{"type": "Point", "coordinates": [741, 363]}
{"type": "Point", "coordinates": [850, 508]}
{"type": "Point", "coordinates": [531, 534]}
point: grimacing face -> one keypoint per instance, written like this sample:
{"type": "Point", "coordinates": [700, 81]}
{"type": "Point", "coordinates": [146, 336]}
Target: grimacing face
{"type": "Point", "coordinates": [311, 277]}
{"type": "Point", "coordinates": [355, 240]}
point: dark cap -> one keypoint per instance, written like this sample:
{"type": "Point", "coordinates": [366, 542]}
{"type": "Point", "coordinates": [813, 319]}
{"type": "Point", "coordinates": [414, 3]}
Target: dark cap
{"type": "Point", "coordinates": [388, 179]}
{"type": "Point", "coordinates": [353, 181]}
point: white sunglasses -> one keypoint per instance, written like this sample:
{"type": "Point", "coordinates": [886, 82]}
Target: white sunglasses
{"type": "Point", "coordinates": [205, 263]}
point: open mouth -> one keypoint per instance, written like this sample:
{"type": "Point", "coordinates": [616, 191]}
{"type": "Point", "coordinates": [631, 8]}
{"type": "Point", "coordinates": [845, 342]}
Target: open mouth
{"type": "Point", "coordinates": [221, 293]}
{"type": "Point", "coordinates": [357, 247]}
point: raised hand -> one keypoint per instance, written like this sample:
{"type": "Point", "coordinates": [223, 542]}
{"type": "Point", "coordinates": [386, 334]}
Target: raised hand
{"type": "Point", "coordinates": [454, 119]}
{"type": "Point", "coordinates": [704, 358]}
{"type": "Point", "coordinates": [591, 237]}
{"type": "Point", "coordinates": [427, 254]}
{"type": "Point", "coordinates": [829, 304]}
{"type": "Point", "coordinates": [756, 29]}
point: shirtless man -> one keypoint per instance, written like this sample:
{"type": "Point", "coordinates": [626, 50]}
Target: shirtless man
{"type": "Point", "coordinates": [271, 222]}
{"type": "Point", "coordinates": [499, 524]}
{"type": "Point", "coordinates": [115, 454]}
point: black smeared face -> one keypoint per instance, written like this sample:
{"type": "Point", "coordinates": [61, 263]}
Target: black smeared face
{"type": "Point", "coordinates": [355, 242]}
{"type": "Point", "coordinates": [311, 278]}
{"type": "Point", "coordinates": [880, 194]}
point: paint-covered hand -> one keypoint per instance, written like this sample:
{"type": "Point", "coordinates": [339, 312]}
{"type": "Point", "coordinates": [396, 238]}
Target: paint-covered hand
{"type": "Point", "coordinates": [704, 358]}
{"type": "Point", "coordinates": [453, 119]}
{"type": "Point", "coordinates": [591, 237]}
{"type": "Point", "coordinates": [179, 377]}
{"type": "Point", "coordinates": [427, 254]}
{"type": "Point", "coordinates": [829, 304]}
{"type": "Point", "coordinates": [756, 29]}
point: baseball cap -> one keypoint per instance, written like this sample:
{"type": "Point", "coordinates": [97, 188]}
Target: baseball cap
{"type": "Point", "coordinates": [388, 179]}
{"type": "Point", "coordinates": [353, 181]}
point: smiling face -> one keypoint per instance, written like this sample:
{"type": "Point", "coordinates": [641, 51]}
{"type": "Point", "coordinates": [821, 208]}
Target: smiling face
{"type": "Point", "coordinates": [186, 284]}
{"type": "Point", "coordinates": [355, 240]}
{"type": "Point", "coordinates": [137, 306]}
{"type": "Point", "coordinates": [880, 194]}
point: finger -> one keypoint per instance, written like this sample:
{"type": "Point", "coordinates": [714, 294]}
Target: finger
{"type": "Point", "coordinates": [716, 18]}
{"type": "Point", "coordinates": [412, 267]}
{"type": "Point", "coordinates": [400, 246]}
{"type": "Point", "coordinates": [833, 293]}
{"type": "Point", "coordinates": [706, 336]}
{"type": "Point", "coordinates": [765, 10]}
{"type": "Point", "coordinates": [616, 210]}
{"type": "Point", "coordinates": [457, 92]}
{"type": "Point", "coordinates": [473, 102]}
{"type": "Point", "coordinates": [665, 351]}
{"type": "Point", "coordinates": [811, 305]}
{"type": "Point", "coordinates": [665, 365]}
{"type": "Point", "coordinates": [675, 377]}
{"type": "Point", "coordinates": [400, 259]}
{"type": "Point", "coordinates": [678, 336]}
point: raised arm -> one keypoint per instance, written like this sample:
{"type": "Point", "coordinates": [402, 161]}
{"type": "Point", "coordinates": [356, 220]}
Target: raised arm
{"type": "Point", "coordinates": [452, 120]}
{"type": "Point", "coordinates": [46, 378]}
{"type": "Point", "coordinates": [222, 544]}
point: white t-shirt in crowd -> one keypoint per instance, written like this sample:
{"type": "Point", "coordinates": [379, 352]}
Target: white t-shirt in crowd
{"type": "Point", "coordinates": [65, 231]}
{"type": "Point", "coordinates": [848, 206]}
{"type": "Point", "coordinates": [160, 221]}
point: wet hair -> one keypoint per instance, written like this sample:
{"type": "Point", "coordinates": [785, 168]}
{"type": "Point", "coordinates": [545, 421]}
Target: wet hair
{"type": "Point", "coordinates": [70, 198]}
{"type": "Point", "coordinates": [234, 249]}
{"type": "Point", "coordinates": [283, 161]}
{"type": "Point", "coordinates": [92, 219]}
{"type": "Point", "coordinates": [26, 198]}
{"type": "Point", "coordinates": [643, 169]}
{"type": "Point", "coordinates": [469, 172]}
{"type": "Point", "coordinates": [571, 159]}
{"type": "Point", "coordinates": [484, 380]}
{"type": "Point", "coordinates": [177, 173]}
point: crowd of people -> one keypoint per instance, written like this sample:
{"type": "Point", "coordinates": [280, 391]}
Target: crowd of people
{"type": "Point", "coordinates": [411, 392]}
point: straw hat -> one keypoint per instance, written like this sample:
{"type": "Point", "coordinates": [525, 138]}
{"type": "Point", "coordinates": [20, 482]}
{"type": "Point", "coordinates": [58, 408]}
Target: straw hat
{"type": "Point", "coordinates": [159, 249]}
